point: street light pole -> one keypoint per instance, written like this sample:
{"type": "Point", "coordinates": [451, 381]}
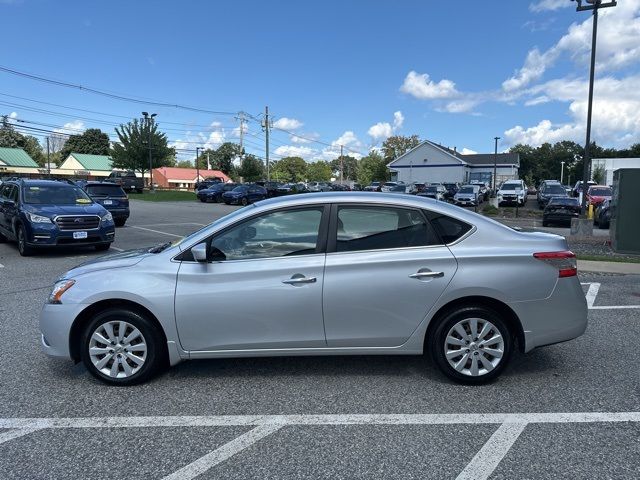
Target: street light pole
{"type": "Point", "coordinates": [594, 5]}
{"type": "Point", "coordinates": [197, 167]}
{"type": "Point", "coordinates": [495, 166]}
{"type": "Point", "coordinates": [561, 172]}
{"type": "Point", "coordinates": [148, 119]}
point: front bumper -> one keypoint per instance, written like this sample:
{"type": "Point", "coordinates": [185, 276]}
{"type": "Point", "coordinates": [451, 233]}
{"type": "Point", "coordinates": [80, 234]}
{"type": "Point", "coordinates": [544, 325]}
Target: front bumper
{"type": "Point", "coordinates": [49, 235]}
{"type": "Point", "coordinates": [560, 317]}
{"type": "Point", "coordinates": [464, 201]}
{"type": "Point", "coordinates": [55, 327]}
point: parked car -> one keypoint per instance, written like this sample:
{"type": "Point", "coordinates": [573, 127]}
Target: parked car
{"type": "Point", "coordinates": [214, 192]}
{"type": "Point", "coordinates": [602, 215]}
{"type": "Point", "coordinates": [46, 213]}
{"type": "Point", "coordinates": [452, 189]}
{"type": "Point", "coordinates": [291, 189]}
{"type": "Point", "coordinates": [244, 195]}
{"type": "Point", "coordinates": [597, 194]}
{"type": "Point", "coordinates": [274, 255]}
{"type": "Point", "coordinates": [484, 189]}
{"type": "Point", "coordinates": [318, 187]}
{"type": "Point", "coordinates": [386, 186]}
{"type": "Point", "coordinates": [531, 190]}
{"type": "Point", "coordinates": [512, 192]}
{"type": "Point", "coordinates": [112, 197]}
{"type": "Point", "coordinates": [373, 187]}
{"type": "Point", "coordinates": [340, 187]}
{"type": "Point", "coordinates": [127, 180]}
{"type": "Point", "coordinates": [577, 188]}
{"type": "Point", "coordinates": [356, 187]}
{"type": "Point", "coordinates": [271, 188]}
{"type": "Point", "coordinates": [206, 183]}
{"type": "Point", "coordinates": [468, 195]}
{"type": "Point", "coordinates": [434, 191]}
{"type": "Point", "coordinates": [548, 191]}
{"type": "Point", "coordinates": [398, 189]}
{"type": "Point", "coordinates": [560, 210]}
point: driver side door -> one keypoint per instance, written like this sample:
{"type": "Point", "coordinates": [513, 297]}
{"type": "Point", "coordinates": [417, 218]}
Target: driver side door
{"type": "Point", "coordinates": [261, 287]}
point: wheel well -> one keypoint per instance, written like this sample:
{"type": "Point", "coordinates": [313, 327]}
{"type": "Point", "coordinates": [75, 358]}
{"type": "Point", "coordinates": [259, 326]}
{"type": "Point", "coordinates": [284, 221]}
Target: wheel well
{"type": "Point", "coordinates": [90, 311]}
{"type": "Point", "coordinates": [513, 322]}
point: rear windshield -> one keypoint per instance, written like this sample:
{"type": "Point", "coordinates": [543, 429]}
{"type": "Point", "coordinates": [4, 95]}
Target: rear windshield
{"type": "Point", "coordinates": [511, 186]}
{"type": "Point", "coordinates": [564, 201]}
{"type": "Point", "coordinates": [554, 189]}
{"type": "Point", "coordinates": [55, 195]}
{"type": "Point", "coordinates": [105, 191]}
{"type": "Point", "coordinates": [600, 192]}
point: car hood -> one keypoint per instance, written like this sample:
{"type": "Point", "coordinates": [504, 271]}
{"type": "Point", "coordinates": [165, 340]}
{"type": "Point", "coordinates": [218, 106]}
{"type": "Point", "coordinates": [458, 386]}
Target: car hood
{"type": "Point", "coordinates": [54, 210]}
{"type": "Point", "coordinates": [112, 260]}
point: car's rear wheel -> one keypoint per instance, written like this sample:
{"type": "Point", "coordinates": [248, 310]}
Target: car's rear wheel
{"type": "Point", "coordinates": [122, 347]}
{"type": "Point", "coordinates": [471, 345]}
{"type": "Point", "coordinates": [23, 249]}
{"type": "Point", "coordinates": [103, 247]}
{"type": "Point", "coordinates": [2, 238]}
{"type": "Point", "coordinates": [545, 223]}
{"type": "Point", "coordinates": [120, 222]}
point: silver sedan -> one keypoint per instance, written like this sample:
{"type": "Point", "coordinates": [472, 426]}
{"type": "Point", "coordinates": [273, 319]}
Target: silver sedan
{"type": "Point", "coordinates": [323, 274]}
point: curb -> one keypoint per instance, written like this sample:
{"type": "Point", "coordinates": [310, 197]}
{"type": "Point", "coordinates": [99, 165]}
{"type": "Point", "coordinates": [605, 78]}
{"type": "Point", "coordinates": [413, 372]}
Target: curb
{"type": "Point", "coordinates": [609, 267]}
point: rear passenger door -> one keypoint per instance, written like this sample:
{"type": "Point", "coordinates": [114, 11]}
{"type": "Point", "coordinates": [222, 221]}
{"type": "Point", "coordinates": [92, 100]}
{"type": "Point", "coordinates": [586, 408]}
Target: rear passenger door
{"type": "Point", "coordinates": [385, 269]}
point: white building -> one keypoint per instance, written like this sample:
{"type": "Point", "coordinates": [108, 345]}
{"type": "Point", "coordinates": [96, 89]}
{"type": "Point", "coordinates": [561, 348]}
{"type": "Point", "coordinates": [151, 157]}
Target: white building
{"type": "Point", "coordinates": [432, 163]}
{"type": "Point", "coordinates": [610, 165]}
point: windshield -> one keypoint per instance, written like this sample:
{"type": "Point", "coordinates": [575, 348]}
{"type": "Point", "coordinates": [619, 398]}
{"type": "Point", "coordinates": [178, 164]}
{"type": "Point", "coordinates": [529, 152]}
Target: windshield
{"type": "Point", "coordinates": [432, 189]}
{"type": "Point", "coordinates": [555, 189]}
{"type": "Point", "coordinates": [105, 191]}
{"type": "Point", "coordinates": [240, 188]}
{"type": "Point", "coordinates": [600, 192]}
{"type": "Point", "coordinates": [55, 195]}
{"type": "Point", "coordinates": [511, 186]}
{"type": "Point", "coordinates": [466, 190]}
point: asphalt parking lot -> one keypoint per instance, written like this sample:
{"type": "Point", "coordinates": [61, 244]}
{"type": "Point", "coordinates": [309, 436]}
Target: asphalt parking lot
{"type": "Point", "coordinates": [568, 410]}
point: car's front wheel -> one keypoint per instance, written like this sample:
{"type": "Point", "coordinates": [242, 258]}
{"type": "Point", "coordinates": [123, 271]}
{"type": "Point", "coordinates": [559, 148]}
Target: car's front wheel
{"type": "Point", "coordinates": [122, 347]}
{"type": "Point", "coordinates": [23, 249]}
{"type": "Point", "coordinates": [244, 201]}
{"type": "Point", "coordinates": [471, 345]}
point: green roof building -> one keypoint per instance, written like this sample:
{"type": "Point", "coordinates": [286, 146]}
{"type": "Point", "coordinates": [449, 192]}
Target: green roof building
{"type": "Point", "coordinates": [86, 164]}
{"type": "Point", "coordinates": [16, 160]}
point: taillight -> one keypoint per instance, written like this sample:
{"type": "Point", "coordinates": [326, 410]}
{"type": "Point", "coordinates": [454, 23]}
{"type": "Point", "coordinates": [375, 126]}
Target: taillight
{"type": "Point", "coordinates": [565, 262]}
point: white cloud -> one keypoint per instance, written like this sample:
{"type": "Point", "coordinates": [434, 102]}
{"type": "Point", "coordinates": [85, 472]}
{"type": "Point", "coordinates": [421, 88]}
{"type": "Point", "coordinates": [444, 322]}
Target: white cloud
{"type": "Point", "coordinates": [383, 130]}
{"type": "Point", "coordinates": [467, 151]}
{"type": "Point", "coordinates": [215, 124]}
{"type": "Point", "coordinates": [461, 106]}
{"type": "Point", "coordinates": [534, 67]}
{"type": "Point", "coordinates": [537, 101]}
{"type": "Point", "coordinates": [285, 123]}
{"type": "Point", "coordinates": [13, 115]}
{"type": "Point", "coordinates": [306, 138]}
{"type": "Point", "coordinates": [71, 128]}
{"type": "Point", "coordinates": [542, 5]}
{"type": "Point", "coordinates": [294, 151]}
{"type": "Point", "coordinates": [422, 87]}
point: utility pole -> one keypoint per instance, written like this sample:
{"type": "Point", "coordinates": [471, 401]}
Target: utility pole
{"type": "Point", "coordinates": [561, 172]}
{"type": "Point", "coordinates": [341, 166]}
{"type": "Point", "coordinates": [266, 126]}
{"type": "Point", "coordinates": [197, 167]}
{"type": "Point", "coordinates": [48, 160]}
{"type": "Point", "coordinates": [595, 5]}
{"type": "Point", "coordinates": [242, 122]}
{"type": "Point", "coordinates": [495, 166]}
{"type": "Point", "coordinates": [148, 119]}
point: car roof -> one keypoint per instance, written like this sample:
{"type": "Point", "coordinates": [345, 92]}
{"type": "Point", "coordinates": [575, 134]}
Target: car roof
{"type": "Point", "coordinates": [108, 184]}
{"type": "Point", "coordinates": [42, 183]}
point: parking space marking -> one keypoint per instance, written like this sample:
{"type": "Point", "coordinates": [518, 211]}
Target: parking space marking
{"type": "Point", "coordinates": [157, 231]}
{"type": "Point", "coordinates": [16, 433]}
{"type": "Point", "coordinates": [169, 224]}
{"type": "Point", "coordinates": [592, 293]}
{"type": "Point", "coordinates": [1, 265]}
{"type": "Point", "coordinates": [223, 453]}
{"type": "Point", "coordinates": [492, 452]}
{"type": "Point", "coordinates": [117, 249]}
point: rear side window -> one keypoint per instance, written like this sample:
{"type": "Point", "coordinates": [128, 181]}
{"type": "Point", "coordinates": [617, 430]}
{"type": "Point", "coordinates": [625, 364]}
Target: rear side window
{"type": "Point", "coordinates": [377, 228]}
{"type": "Point", "coordinates": [449, 229]}
{"type": "Point", "coordinates": [105, 190]}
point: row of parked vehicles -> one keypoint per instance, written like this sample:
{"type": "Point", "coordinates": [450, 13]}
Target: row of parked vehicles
{"type": "Point", "coordinates": [560, 205]}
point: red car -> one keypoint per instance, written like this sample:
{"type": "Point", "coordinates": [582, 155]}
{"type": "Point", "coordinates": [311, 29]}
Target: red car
{"type": "Point", "coordinates": [598, 194]}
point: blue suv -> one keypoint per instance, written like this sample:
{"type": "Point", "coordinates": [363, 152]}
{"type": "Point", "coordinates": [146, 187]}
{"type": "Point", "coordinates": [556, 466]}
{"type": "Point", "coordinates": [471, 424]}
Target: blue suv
{"type": "Point", "coordinates": [112, 197]}
{"type": "Point", "coordinates": [46, 213]}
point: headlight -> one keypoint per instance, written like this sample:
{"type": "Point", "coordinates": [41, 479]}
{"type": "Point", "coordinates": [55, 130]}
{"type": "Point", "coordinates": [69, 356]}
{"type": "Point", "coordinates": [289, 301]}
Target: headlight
{"type": "Point", "coordinates": [38, 218]}
{"type": "Point", "coordinates": [108, 217]}
{"type": "Point", "coordinates": [58, 290]}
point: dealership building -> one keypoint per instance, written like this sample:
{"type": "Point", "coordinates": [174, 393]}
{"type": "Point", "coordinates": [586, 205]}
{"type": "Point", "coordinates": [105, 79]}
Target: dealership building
{"type": "Point", "coordinates": [433, 163]}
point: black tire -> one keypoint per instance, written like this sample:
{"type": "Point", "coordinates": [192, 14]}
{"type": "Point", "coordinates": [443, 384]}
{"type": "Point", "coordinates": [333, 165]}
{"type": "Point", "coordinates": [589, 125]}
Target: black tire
{"type": "Point", "coordinates": [103, 247]}
{"type": "Point", "coordinates": [156, 351]}
{"type": "Point", "coordinates": [21, 236]}
{"type": "Point", "coordinates": [545, 223]}
{"type": "Point", "coordinates": [603, 226]}
{"type": "Point", "coordinates": [120, 222]}
{"type": "Point", "coordinates": [203, 200]}
{"type": "Point", "coordinates": [244, 201]}
{"type": "Point", "coordinates": [437, 347]}
{"type": "Point", "coordinates": [2, 238]}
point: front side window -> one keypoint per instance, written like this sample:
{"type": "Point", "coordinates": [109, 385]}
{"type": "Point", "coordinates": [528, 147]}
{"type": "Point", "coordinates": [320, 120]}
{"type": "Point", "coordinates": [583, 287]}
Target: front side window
{"type": "Point", "coordinates": [276, 234]}
{"type": "Point", "coordinates": [376, 228]}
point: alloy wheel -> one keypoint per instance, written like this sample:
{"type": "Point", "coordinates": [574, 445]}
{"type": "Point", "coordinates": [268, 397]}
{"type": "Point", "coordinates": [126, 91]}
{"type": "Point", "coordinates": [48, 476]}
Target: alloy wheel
{"type": "Point", "coordinates": [474, 347]}
{"type": "Point", "coordinates": [117, 349]}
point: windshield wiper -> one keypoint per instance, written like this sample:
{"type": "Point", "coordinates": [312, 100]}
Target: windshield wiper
{"type": "Point", "coordinates": [160, 247]}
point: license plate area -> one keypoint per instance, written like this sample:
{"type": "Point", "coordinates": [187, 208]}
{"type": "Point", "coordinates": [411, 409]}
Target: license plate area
{"type": "Point", "coordinates": [108, 202]}
{"type": "Point", "coordinates": [79, 235]}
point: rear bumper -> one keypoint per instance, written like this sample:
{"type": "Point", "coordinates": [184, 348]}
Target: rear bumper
{"type": "Point", "coordinates": [560, 317]}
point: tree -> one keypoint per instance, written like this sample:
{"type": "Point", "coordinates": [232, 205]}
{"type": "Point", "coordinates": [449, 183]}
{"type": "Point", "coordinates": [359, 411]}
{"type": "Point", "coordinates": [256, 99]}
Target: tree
{"type": "Point", "coordinates": [349, 167]}
{"type": "Point", "coordinates": [10, 138]}
{"type": "Point", "coordinates": [397, 145]}
{"type": "Point", "coordinates": [319, 171]}
{"type": "Point", "coordinates": [132, 152]}
{"type": "Point", "coordinates": [251, 168]}
{"type": "Point", "coordinates": [598, 174]}
{"type": "Point", "coordinates": [184, 164]}
{"type": "Point", "coordinates": [371, 168]}
{"type": "Point", "coordinates": [289, 169]}
{"type": "Point", "coordinates": [93, 141]}
{"type": "Point", "coordinates": [221, 158]}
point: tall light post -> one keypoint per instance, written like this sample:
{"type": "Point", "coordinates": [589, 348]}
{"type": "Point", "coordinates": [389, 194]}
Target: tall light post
{"type": "Point", "coordinates": [148, 120]}
{"type": "Point", "coordinates": [495, 166]}
{"type": "Point", "coordinates": [197, 167]}
{"type": "Point", "coordinates": [593, 5]}
{"type": "Point", "coordinates": [561, 172]}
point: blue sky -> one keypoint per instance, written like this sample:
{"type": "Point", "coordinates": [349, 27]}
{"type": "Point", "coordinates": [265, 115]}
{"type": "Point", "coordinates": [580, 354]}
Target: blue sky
{"type": "Point", "coordinates": [341, 72]}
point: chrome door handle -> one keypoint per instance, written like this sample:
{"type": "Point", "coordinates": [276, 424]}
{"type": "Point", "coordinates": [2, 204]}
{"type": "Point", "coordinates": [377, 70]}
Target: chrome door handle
{"type": "Point", "coordinates": [420, 275]}
{"type": "Point", "coordinates": [299, 280]}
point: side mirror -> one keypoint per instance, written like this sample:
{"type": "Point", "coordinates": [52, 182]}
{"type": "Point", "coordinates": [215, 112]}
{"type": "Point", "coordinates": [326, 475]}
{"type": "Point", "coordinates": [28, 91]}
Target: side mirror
{"type": "Point", "coordinates": [199, 252]}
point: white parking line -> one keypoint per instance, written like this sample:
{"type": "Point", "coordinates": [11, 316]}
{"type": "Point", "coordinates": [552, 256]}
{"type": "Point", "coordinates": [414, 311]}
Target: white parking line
{"type": "Point", "coordinates": [157, 231]}
{"type": "Point", "coordinates": [16, 433]}
{"type": "Point", "coordinates": [222, 453]}
{"type": "Point", "coordinates": [1, 265]}
{"type": "Point", "coordinates": [592, 293]}
{"type": "Point", "coordinates": [169, 224]}
{"type": "Point", "coordinates": [491, 454]}
{"type": "Point", "coordinates": [117, 249]}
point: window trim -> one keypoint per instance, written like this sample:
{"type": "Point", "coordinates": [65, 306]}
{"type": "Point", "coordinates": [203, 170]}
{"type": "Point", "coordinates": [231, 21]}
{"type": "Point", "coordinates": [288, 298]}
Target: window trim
{"type": "Point", "coordinates": [320, 246]}
{"type": "Point", "coordinates": [332, 239]}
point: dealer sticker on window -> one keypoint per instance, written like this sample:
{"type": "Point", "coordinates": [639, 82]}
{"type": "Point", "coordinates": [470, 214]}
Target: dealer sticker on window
{"type": "Point", "coordinates": [79, 235]}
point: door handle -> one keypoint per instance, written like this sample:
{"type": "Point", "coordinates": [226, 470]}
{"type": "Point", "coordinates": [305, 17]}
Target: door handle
{"type": "Point", "coordinates": [299, 280]}
{"type": "Point", "coordinates": [420, 275]}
